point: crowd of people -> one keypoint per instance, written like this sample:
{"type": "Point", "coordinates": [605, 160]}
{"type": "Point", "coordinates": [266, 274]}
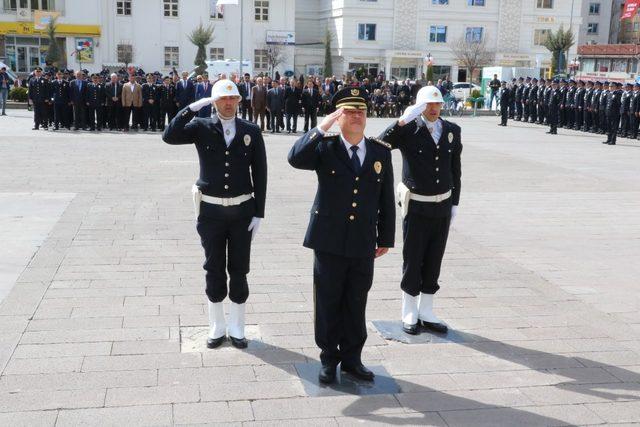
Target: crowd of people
{"type": "Point", "coordinates": [587, 106]}
{"type": "Point", "coordinates": [130, 99]}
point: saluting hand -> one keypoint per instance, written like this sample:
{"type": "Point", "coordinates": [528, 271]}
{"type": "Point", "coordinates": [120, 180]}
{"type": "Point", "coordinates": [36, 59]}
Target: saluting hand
{"type": "Point", "coordinates": [411, 113]}
{"type": "Point", "coordinates": [329, 120]}
{"type": "Point", "coordinates": [201, 103]}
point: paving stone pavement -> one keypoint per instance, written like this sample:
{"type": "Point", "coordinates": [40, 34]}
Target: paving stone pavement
{"type": "Point", "coordinates": [105, 324]}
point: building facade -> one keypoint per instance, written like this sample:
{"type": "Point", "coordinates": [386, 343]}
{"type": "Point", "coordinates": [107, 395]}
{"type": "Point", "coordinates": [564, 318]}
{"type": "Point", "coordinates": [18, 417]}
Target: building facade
{"type": "Point", "coordinates": [395, 36]}
{"type": "Point", "coordinates": [152, 34]}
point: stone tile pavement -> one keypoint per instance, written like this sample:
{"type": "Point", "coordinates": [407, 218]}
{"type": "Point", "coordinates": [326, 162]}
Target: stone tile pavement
{"type": "Point", "coordinates": [105, 324]}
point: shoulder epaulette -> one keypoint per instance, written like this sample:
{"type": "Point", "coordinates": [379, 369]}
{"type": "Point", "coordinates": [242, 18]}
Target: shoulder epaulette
{"type": "Point", "coordinates": [381, 142]}
{"type": "Point", "coordinates": [330, 135]}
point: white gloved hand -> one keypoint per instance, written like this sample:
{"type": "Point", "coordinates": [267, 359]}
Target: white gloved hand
{"type": "Point", "coordinates": [411, 113]}
{"type": "Point", "coordinates": [253, 227]}
{"type": "Point", "coordinates": [454, 212]}
{"type": "Point", "coordinates": [200, 104]}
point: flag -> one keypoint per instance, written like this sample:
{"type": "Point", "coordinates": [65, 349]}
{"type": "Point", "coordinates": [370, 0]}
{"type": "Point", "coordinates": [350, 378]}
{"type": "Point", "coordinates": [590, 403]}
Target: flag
{"type": "Point", "coordinates": [220, 4]}
{"type": "Point", "coordinates": [630, 9]}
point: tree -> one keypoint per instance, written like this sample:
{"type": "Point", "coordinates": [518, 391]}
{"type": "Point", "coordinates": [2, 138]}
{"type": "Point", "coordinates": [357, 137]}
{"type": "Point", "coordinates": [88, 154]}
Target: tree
{"type": "Point", "coordinates": [275, 56]}
{"type": "Point", "coordinates": [558, 44]}
{"type": "Point", "coordinates": [201, 36]}
{"type": "Point", "coordinates": [54, 54]}
{"type": "Point", "coordinates": [472, 54]}
{"type": "Point", "coordinates": [328, 62]}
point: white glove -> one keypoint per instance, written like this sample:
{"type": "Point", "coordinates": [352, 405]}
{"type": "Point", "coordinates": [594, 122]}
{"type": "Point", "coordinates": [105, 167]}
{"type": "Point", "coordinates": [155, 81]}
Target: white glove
{"type": "Point", "coordinates": [411, 113]}
{"type": "Point", "coordinates": [199, 104]}
{"type": "Point", "coordinates": [253, 227]}
{"type": "Point", "coordinates": [454, 212]}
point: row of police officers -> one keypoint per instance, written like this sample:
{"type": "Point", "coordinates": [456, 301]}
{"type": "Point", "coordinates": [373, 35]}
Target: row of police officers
{"type": "Point", "coordinates": [352, 220]}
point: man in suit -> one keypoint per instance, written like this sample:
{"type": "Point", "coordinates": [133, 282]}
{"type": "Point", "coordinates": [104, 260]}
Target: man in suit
{"type": "Point", "coordinates": [38, 93]}
{"type": "Point", "coordinates": [95, 99]}
{"type": "Point", "coordinates": [229, 198]}
{"type": "Point", "coordinates": [60, 99]}
{"type": "Point", "coordinates": [352, 223]}
{"type": "Point", "coordinates": [167, 101]}
{"type": "Point", "coordinates": [131, 103]}
{"type": "Point", "coordinates": [429, 195]}
{"type": "Point", "coordinates": [310, 102]}
{"type": "Point", "coordinates": [292, 103]}
{"type": "Point", "coordinates": [78, 88]}
{"type": "Point", "coordinates": [503, 98]}
{"type": "Point", "coordinates": [275, 104]}
{"type": "Point", "coordinates": [185, 91]}
{"type": "Point", "coordinates": [259, 102]}
{"type": "Point", "coordinates": [113, 95]}
{"type": "Point", "coordinates": [245, 87]}
{"type": "Point", "coordinates": [203, 90]}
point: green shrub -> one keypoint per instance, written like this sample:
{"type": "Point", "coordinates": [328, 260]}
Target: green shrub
{"type": "Point", "coordinates": [18, 94]}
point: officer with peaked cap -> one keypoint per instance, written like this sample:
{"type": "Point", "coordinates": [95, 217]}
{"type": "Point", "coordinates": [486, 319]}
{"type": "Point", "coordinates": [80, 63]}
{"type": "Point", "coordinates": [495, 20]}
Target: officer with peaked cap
{"type": "Point", "coordinates": [625, 110]}
{"type": "Point", "coordinates": [505, 96]}
{"type": "Point", "coordinates": [635, 110]}
{"type": "Point", "coordinates": [429, 195]}
{"type": "Point", "coordinates": [229, 199]}
{"type": "Point", "coordinates": [553, 107]}
{"type": "Point", "coordinates": [614, 105]}
{"type": "Point", "coordinates": [604, 95]}
{"type": "Point", "coordinates": [352, 223]}
{"type": "Point", "coordinates": [38, 94]}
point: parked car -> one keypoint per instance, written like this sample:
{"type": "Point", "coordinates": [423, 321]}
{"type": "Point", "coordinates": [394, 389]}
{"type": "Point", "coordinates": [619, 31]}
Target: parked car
{"type": "Point", "coordinates": [462, 90]}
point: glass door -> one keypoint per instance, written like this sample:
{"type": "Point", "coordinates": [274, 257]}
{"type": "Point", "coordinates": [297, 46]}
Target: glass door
{"type": "Point", "coordinates": [23, 64]}
{"type": "Point", "coordinates": [34, 57]}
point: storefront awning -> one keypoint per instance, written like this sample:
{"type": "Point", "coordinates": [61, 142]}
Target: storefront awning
{"type": "Point", "coordinates": [27, 29]}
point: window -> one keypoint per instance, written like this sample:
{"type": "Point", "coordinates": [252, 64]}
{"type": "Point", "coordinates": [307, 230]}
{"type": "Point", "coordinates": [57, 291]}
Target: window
{"type": "Point", "coordinates": [32, 4]}
{"type": "Point", "coordinates": [215, 12]}
{"type": "Point", "coordinates": [473, 34]}
{"type": "Point", "coordinates": [545, 4]}
{"type": "Point", "coordinates": [475, 2]}
{"type": "Point", "coordinates": [125, 53]}
{"type": "Point", "coordinates": [260, 59]}
{"type": "Point", "coordinates": [123, 8]}
{"type": "Point", "coordinates": [438, 34]}
{"type": "Point", "coordinates": [592, 28]}
{"type": "Point", "coordinates": [439, 1]}
{"type": "Point", "coordinates": [366, 32]}
{"type": "Point", "coordinates": [261, 10]}
{"type": "Point", "coordinates": [594, 8]}
{"type": "Point", "coordinates": [540, 36]}
{"type": "Point", "coordinates": [170, 8]}
{"type": "Point", "coordinates": [216, 53]}
{"type": "Point", "coordinates": [171, 56]}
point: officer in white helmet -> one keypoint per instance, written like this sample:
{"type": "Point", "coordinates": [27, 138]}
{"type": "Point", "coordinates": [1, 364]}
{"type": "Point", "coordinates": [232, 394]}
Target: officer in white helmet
{"type": "Point", "coordinates": [229, 200]}
{"type": "Point", "coordinates": [429, 195]}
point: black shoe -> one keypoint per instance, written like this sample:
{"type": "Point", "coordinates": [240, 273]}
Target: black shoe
{"type": "Point", "coordinates": [440, 328]}
{"type": "Point", "coordinates": [215, 342]}
{"type": "Point", "coordinates": [56, 128]}
{"type": "Point", "coordinates": [549, 132]}
{"type": "Point", "coordinates": [238, 342]}
{"type": "Point", "coordinates": [35, 128]}
{"type": "Point", "coordinates": [359, 371]}
{"type": "Point", "coordinates": [612, 143]}
{"type": "Point", "coordinates": [410, 329]}
{"type": "Point", "coordinates": [327, 374]}
{"type": "Point", "coordinates": [605, 142]}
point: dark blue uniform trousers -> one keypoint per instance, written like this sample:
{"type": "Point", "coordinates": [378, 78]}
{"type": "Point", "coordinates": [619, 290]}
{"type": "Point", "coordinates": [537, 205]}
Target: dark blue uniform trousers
{"type": "Point", "coordinates": [227, 246]}
{"type": "Point", "coordinates": [340, 291]}
{"type": "Point", "coordinates": [425, 240]}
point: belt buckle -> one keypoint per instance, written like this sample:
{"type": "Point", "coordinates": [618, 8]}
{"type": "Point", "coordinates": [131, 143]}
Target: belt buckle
{"type": "Point", "coordinates": [438, 198]}
{"type": "Point", "coordinates": [226, 201]}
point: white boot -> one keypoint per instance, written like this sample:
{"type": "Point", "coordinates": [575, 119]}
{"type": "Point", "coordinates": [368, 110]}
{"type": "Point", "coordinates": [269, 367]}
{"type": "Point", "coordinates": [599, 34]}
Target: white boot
{"type": "Point", "coordinates": [236, 320]}
{"type": "Point", "coordinates": [409, 309]}
{"type": "Point", "coordinates": [217, 324]}
{"type": "Point", "coordinates": [425, 309]}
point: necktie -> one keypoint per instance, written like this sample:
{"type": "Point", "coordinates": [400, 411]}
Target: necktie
{"type": "Point", "coordinates": [355, 160]}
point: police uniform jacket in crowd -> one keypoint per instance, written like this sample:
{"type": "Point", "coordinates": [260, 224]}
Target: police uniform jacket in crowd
{"type": "Point", "coordinates": [354, 210]}
{"type": "Point", "coordinates": [95, 95]}
{"type": "Point", "coordinates": [236, 170]}
{"type": "Point", "coordinates": [429, 167]}
{"type": "Point", "coordinates": [39, 90]}
{"type": "Point", "coordinates": [60, 92]}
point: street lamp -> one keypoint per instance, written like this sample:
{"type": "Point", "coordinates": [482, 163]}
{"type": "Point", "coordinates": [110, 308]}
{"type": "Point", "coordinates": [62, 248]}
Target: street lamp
{"type": "Point", "coordinates": [429, 61]}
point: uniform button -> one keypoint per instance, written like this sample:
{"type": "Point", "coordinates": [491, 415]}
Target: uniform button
{"type": "Point", "coordinates": [419, 151]}
{"type": "Point", "coordinates": [226, 175]}
{"type": "Point", "coordinates": [354, 204]}
{"type": "Point", "coordinates": [333, 172]}
{"type": "Point", "coordinates": [437, 157]}
{"type": "Point", "coordinates": [226, 164]}
{"type": "Point", "coordinates": [355, 191]}
{"type": "Point", "coordinates": [226, 153]}
{"type": "Point", "coordinates": [316, 212]}
{"type": "Point", "coordinates": [437, 169]}
{"type": "Point", "coordinates": [357, 178]}
{"type": "Point", "coordinates": [352, 217]}
{"type": "Point", "coordinates": [437, 147]}
{"type": "Point", "coordinates": [226, 187]}
{"type": "Point", "coordinates": [437, 181]}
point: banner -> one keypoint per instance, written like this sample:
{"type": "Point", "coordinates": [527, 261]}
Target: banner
{"type": "Point", "coordinates": [42, 18]}
{"type": "Point", "coordinates": [281, 37]}
{"type": "Point", "coordinates": [84, 49]}
{"type": "Point", "coordinates": [630, 9]}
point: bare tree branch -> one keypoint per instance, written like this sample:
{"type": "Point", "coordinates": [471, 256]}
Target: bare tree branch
{"type": "Point", "coordinates": [276, 55]}
{"type": "Point", "coordinates": [472, 54]}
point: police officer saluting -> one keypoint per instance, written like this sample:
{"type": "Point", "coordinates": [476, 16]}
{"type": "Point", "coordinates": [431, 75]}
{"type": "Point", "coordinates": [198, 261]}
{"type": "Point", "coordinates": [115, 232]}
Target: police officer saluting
{"type": "Point", "coordinates": [352, 223]}
{"type": "Point", "coordinates": [429, 195]}
{"type": "Point", "coordinates": [229, 198]}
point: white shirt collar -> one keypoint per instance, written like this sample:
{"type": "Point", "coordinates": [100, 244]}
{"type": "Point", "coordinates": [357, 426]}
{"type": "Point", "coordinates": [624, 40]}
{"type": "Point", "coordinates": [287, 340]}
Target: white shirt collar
{"type": "Point", "coordinates": [362, 148]}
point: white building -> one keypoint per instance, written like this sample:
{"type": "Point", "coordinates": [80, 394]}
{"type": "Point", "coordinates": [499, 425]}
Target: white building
{"type": "Point", "coordinates": [150, 33]}
{"type": "Point", "coordinates": [395, 36]}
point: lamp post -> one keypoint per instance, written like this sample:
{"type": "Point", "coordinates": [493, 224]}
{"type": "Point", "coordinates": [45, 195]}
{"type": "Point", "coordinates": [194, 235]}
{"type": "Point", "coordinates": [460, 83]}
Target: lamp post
{"type": "Point", "coordinates": [429, 61]}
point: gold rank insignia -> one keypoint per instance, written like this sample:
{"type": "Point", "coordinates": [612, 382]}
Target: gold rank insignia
{"type": "Point", "coordinates": [377, 166]}
{"type": "Point", "coordinates": [450, 138]}
{"type": "Point", "coordinates": [355, 92]}
{"type": "Point", "coordinates": [229, 87]}
{"type": "Point", "coordinates": [247, 140]}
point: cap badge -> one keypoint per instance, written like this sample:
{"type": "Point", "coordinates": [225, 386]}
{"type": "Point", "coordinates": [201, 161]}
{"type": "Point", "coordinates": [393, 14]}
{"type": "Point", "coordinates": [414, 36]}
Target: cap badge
{"type": "Point", "coordinates": [355, 92]}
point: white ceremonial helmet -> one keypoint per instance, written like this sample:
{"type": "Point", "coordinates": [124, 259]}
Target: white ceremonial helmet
{"type": "Point", "coordinates": [224, 88]}
{"type": "Point", "coordinates": [428, 94]}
